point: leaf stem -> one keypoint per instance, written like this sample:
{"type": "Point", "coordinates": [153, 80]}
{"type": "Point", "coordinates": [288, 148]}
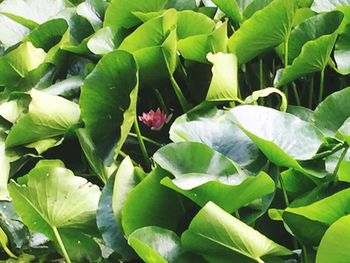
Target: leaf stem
{"type": "Point", "coordinates": [286, 52]}
{"type": "Point", "coordinates": [146, 139]}
{"type": "Point", "coordinates": [305, 260]}
{"type": "Point", "coordinates": [8, 251]}
{"type": "Point", "coordinates": [261, 73]}
{"type": "Point", "coordinates": [321, 86]}
{"type": "Point", "coordinates": [180, 96]}
{"type": "Point", "coordinates": [296, 94]}
{"type": "Point", "coordinates": [311, 92]}
{"type": "Point", "coordinates": [141, 142]}
{"type": "Point", "coordinates": [285, 196]}
{"type": "Point", "coordinates": [61, 245]}
{"type": "Point", "coordinates": [286, 91]}
{"type": "Point", "coordinates": [342, 156]}
{"type": "Point", "coordinates": [273, 66]}
{"type": "Point", "coordinates": [285, 88]}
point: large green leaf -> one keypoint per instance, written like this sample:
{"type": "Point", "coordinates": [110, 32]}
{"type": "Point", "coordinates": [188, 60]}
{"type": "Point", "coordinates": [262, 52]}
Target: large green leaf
{"type": "Point", "coordinates": [154, 46]}
{"type": "Point", "coordinates": [120, 12]}
{"type": "Point", "coordinates": [342, 52]}
{"type": "Point", "coordinates": [80, 31]}
{"type": "Point", "coordinates": [11, 224]}
{"type": "Point", "coordinates": [90, 152]}
{"type": "Point", "coordinates": [197, 47]}
{"type": "Point", "coordinates": [214, 128]}
{"type": "Point", "coordinates": [312, 58]}
{"type": "Point", "coordinates": [251, 39]}
{"type": "Point", "coordinates": [38, 11]}
{"type": "Point", "coordinates": [48, 34]}
{"type": "Point", "coordinates": [311, 29]}
{"type": "Point", "coordinates": [328, 5]}
{"type": "Point", "coordinates": [203, 175]}
{"type": "Point", "coordinates": [19, 62]}
{"type": "Point", "coordinates": [155, 245]}
{"type": "Point", "coordinates": [330, 114]}
{"type": "Point", "coordinates": [224, 84]}
{"type": "Point", "coordinates": [93, 11]}
{"type": "Point", "coordinates": [191, 159]}
{"type": "Point", "coordinates": [126, 179]}
{"type": "Point", "coordinates": [108, 102]}
{"type": "Point", "coordinates": [11, 32]}
{"type": "Point", "coordinates": [334, 246]}
{"type": "Point", "coordinates": [327, 210]}
{"type": "Point", "coordinates": [214, 233]}
{"type": "Point", "coordinates": [309, 225]}
{"type": "Point", "coordinates": [55, 200]}
{"type": "Point", "coordinates": [104, 41]}
{"type": "Point", "coordinates": [282, 137]}
{"type": "Point", "coordinates": [310, 46]}
{"type": "Point", "coordinates": [48, 116]}
{"type": "Point", "coordinates": [159, 207]}
{"type": "Point", "coordinates": [111, 231]}
{"type": "Point", "coordinates": [230, 8]}
{"type": "Point", "coordinates": [190, 23]}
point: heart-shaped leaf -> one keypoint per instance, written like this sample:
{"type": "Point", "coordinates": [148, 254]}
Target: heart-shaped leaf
{"type": "Point", "coordinates": [197, 47]}
{"type": "Point", "coordinates": [190, 23]}
{"type": "Point", "coordinates": [274, 133]}
{"type": "Point", "coordinates": [159, 207]}
{"type": "Point", "coordinates": [330, 114]}
{"type": "Point", "coordinates": [251, 39]}
{"type": "Point", "coordinates": [214, 128]}
{"type": "Point", "coordinates": [124, 10]}
{"type": "Point", "coordinates": [55, 202]}
{"type": "Point", "coordinates": [213, 177]}
{"type": "Point", "coordinates": [19, 62]}
{"type": "Point", "coordinates": [48, 116]}
{"type": "Point", "coordinates": [154, 245]}
{"type": "Point", "coordinates": [37, 11]}
{"type": "Point", "coordinates": [328, 5]}
{"type": "Point", "coordinates": [154, 46]}
{"type": "Point", "coordinates": [334, 246]}
{"type": "Point", "coordinates": [214, 232]}
{"type": "Point", "coordinates": [109, 227]}
{"type": "Point", "coordinates": [310, 45]}
{"type": "Point", "coordinates": [108, 102]}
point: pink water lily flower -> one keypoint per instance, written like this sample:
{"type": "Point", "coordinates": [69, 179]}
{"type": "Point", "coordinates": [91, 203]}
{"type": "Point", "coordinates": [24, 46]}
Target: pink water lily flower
{"type": "Point", "coordinates": [155, 119]}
